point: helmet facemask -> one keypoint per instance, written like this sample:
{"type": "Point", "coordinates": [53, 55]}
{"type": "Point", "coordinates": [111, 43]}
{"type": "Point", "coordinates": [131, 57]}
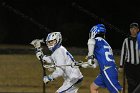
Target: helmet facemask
{"type": "Point", "coordinates": [97, 30]}
{"type": "Point", "coordinates": [51, 43]}
{"type": "Point", "coordinates": [53, 40]}
{"type": "Point", "coordinates": [92, 34]}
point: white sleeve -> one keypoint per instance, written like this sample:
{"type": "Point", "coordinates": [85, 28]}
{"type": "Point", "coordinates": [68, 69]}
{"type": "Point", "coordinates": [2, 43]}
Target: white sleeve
{"type": "Point", "coordinates": [59, 59]}
{"type": "Point", "coordinates": [47, 59]}
{"type": "Point", "coordinates": [57, 73]}
{"type": "Point", "coordinates": [91, 44]}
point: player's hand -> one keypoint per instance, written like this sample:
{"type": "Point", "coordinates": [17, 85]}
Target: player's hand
{"type": "Point", "coordinates": [120, 69]}
{"type": "Point", "coordinates": [46, 79]}
{"type": "Point", "coordinates": [36, 43]}
{"type": "Point", "coordinates": [90, 62]}
{"type": "Point", "coordinates": [85, 65]}
{"type": "Point", "coordinates": [39, 55]}
{"type": "Point", "coordinates": [90, 59]}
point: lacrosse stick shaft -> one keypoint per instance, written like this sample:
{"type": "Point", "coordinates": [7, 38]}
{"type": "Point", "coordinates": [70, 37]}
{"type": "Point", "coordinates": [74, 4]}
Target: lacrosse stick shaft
{"type": "Point", "coordinates": [124, 81]}
{"type": "Point", "coordinates": [53, 66]}
{"type": "Point", "coordinates": [137, 89]}
{"type": "Point", "coordinates": [44, 74]}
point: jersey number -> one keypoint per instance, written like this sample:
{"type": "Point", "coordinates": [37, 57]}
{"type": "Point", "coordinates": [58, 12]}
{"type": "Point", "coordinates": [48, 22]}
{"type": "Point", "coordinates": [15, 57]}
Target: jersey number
{"type": "Point", "coordinates": [109, 54]}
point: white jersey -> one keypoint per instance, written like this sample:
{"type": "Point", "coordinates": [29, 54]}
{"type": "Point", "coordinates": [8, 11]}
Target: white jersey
{"type": "Point", "coordinates": [62, 57]}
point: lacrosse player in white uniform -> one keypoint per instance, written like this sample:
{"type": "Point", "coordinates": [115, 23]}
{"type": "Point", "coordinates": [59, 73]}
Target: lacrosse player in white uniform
{"type": "Point", "coordinates": [60, 57]}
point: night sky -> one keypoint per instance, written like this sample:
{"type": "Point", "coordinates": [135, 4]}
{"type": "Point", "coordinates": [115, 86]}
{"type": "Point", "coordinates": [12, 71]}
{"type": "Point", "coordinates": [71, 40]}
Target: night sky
{"type": "Point", "coordinates": [21, 21]}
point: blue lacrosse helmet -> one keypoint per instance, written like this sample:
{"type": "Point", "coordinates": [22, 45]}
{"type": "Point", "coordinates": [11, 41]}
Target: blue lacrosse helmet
{"type": "Point", "coordinates": [97, 29]}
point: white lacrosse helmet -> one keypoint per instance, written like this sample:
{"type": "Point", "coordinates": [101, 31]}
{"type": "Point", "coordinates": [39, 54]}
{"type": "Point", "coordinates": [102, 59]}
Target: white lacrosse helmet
{"type": "Point", "coordinates": [54, 36]}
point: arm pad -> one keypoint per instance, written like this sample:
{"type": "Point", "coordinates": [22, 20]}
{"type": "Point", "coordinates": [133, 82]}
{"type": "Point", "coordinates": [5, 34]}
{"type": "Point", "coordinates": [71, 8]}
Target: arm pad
{"type": "Point", "coordinates": [91, 44]}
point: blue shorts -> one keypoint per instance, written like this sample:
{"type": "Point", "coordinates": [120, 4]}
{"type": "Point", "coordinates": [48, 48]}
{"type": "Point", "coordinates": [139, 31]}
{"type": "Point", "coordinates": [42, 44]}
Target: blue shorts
{"type": "Point", "coordinates": [109, 79]}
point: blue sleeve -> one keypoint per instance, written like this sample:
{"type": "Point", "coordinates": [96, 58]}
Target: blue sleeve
{"type": "Point", "coordinates": [138, 39]}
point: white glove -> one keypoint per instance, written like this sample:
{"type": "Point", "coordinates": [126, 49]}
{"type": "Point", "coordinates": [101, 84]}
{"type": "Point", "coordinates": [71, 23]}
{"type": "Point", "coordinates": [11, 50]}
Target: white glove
{"type": "Point", "coordinates": [90, 59]}
{"type": "Point", "coordinates": [94, 64]}
{"type": "Point", "coordinates": [85, 65]}
{"type": "Point", "coordinates": [37, 43]}
{"type": "Point", "coordinates": [46, 79]}
{"type": "Point", "coordinates": [49, 66]}
{"type": "Point", "coordinates": [39, 55]}
{"type": "Point", "coordinates": [90, 62]}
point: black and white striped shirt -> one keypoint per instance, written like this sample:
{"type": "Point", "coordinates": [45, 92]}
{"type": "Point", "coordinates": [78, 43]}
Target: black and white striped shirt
{"type": "Point", "coordinates": [129, 52]}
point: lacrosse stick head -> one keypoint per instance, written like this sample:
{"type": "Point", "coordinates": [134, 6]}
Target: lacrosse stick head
{"type": "Point", "coordinates": [37, 43]}
{"type": "Point", "coordinates": [53, 40]}
{"type": "Point", "coordinates": [97, 29]}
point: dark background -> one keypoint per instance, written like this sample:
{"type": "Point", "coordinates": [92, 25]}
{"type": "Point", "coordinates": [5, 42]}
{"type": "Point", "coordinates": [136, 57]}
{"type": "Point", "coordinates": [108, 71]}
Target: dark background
{"type": "Point", "coordinates": [21, 21]}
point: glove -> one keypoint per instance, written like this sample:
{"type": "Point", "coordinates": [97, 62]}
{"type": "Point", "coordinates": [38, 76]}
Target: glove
{"type": "Point", "coordinates": [47, 79]}
{"type": "Point", "coordinates": [50, 68]}
{"type": "Point", "coordinates": [37, 43]}
{"type": "Point", "coordinates": [90, 60]}
{"type": "Point", "coordinates": [93, 63]}
{"type": "Point", "coordinates": [39, 54]}
{"type": "Point", "coordinates": [85, 65]}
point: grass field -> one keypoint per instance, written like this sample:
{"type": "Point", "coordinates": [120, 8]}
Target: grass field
{"type": "Point", "coordinates": [23, 73]}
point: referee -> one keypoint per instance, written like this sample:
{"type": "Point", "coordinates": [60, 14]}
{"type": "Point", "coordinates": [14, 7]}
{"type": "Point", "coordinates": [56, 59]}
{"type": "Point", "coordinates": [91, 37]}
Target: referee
{"type": "Point", "coordinates": [130, 59]}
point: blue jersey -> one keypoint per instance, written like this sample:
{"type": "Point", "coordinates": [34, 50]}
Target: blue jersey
{"type": "Point", "coordinates": [108, 76]}
{"type": "Point", "coordinates": [103, 53]}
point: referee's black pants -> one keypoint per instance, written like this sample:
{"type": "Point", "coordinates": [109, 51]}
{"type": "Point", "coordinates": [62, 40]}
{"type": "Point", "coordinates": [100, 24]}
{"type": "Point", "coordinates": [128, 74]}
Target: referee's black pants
{"type": "Point", "coordinates": [132, 75]}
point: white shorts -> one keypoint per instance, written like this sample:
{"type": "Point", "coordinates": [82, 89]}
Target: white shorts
{"type": "Point", "coordinates": [70, 87]}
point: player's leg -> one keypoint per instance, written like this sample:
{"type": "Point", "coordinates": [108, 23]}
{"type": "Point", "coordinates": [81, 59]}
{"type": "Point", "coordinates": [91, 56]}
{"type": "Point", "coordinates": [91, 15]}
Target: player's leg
{"type": "Point", "coordinates": [98, 82]}
{"type": "Point", "coordinates": [69, 87]}
{"type": "Point", "coordinates": [75, 86]}
{"type": "Point", "coordinates": [111, 80]}
{"type": "Point", "coordinates": [94, 88]}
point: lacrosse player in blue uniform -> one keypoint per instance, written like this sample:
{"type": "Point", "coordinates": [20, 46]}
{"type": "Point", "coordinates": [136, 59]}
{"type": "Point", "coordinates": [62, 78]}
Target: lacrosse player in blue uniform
{"type": "Point", "coordinates": [138, 37]}
{"type": "Point", "coordinates": [60, 57]}
{"type": "Point", "coordinates": [99, 49]}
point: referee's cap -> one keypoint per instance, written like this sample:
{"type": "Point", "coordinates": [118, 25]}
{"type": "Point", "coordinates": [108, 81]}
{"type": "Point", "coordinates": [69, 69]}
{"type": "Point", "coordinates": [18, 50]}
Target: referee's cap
{"type": "Point", "coordinates": [134, 24]}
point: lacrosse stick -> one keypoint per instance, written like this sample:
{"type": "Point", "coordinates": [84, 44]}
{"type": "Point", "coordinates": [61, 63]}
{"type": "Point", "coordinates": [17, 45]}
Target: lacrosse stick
{"type": "Point", "coordinates": [36, 44]}
{"type": "Point", "coordinates": [44, 74]}
{"type": "Point", "coordinates": [124, 76]}
{"type": "Point", "coordinates": [78, 64]}
{"type": "Point", "coordinates": [124, 81]}
{"type": "Point", "coordinates": [137, 89]}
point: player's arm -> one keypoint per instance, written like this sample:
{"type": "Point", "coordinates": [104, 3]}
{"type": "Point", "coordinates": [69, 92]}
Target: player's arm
{"type": "Point", "coordinates": [91, 46]}
{"type": "Point", "coordinates": [37, 45]}
{"type": "Point", "coordinates": [59, 61]}
{"type": "Point", "coordinates": [123, 56]}
{"type": "Point", "coordinates": [92, 62]}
